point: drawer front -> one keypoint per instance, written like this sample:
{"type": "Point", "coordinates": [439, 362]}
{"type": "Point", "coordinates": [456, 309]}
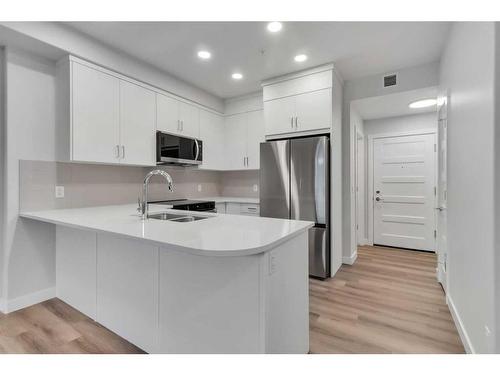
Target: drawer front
{"type": "Point", "coordinates": [250, 209]}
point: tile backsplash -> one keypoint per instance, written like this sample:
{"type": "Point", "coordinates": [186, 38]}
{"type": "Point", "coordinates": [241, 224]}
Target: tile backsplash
{"type": "Point", "coordinates": [88, 185]}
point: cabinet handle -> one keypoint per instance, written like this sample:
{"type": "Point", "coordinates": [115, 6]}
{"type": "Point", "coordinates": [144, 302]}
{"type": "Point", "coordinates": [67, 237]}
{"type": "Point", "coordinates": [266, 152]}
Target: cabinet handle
{"type": "Point", "coordinates": [178, 125]}
{"type": "Point", "coordinates": [291, 122]}
{"type": "Point", "coordinates": [296, 122]}
{"type": "Point", "coordinates": [117, 151]}
{"type": "Point", "coordinates": [123, 152]}
{"type": "Point", "coordinates": [182, 125]}
{"type": "Point", "coordinates": [244, 161]}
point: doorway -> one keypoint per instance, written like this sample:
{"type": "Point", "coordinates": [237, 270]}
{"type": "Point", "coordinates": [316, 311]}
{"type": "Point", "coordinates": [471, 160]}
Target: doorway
{"type": "Point", "coordinates": [394, 156]}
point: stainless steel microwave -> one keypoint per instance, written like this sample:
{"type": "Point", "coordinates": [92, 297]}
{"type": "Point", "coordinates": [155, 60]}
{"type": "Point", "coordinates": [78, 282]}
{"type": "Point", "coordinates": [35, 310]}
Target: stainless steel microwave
{"type": "Point", "coordinates": [175, 149]}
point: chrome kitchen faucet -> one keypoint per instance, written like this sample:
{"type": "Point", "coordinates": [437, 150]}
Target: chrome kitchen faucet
{"type": "Point", "coordinates": [143, 205]}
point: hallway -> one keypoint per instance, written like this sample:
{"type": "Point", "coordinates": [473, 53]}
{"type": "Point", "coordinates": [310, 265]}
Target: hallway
{"type": "Point", "coordinates": [389, 301]}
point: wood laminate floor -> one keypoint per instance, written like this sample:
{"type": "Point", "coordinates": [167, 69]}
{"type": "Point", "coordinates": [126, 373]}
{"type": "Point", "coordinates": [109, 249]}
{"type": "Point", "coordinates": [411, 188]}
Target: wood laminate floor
{"type": "Point", "coordinates": [388, 302]}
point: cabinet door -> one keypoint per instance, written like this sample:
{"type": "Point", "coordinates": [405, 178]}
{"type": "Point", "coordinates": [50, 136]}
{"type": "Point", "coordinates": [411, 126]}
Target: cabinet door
{"type": "Point", "coordinates": [212, 135]}
{"type": "Point", "coordinates": [167, 114]}
{"type": "Point", "coordinates": [233, 208]}
{"type": "Point", "coordinates": [127, 289]}
{"type": "Point", "coordinates": [255, 135]}
{"type": "Point", "coordinates": [137, 124]}
{"type": "Point", "coordinates": [236, 141]}
{"type": "Point", "coordinates": [190, 120]}
{"type": "Point", "coordinates": [314, 110]}
{"type": "Point", "coordinates": [95, 115]}
{"type": "Point", "coordinates": [278, 115]}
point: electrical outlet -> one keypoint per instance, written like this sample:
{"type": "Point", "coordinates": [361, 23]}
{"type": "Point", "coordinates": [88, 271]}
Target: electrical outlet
{"type": "Point", "coordinates": [59, 191]}
{"type": "Point", "coordinates": [199, 188]}
{"type": "Point", "coordinates": [255, 187]}
{"type": "Point", "coordinates": [272, 263]}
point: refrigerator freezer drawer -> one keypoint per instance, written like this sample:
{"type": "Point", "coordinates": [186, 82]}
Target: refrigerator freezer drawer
{"type": "Point", "coordinates": [319, 254]}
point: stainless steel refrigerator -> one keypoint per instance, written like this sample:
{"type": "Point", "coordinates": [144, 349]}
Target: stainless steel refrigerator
{"type": "Point", "coordinates": [295, 184]}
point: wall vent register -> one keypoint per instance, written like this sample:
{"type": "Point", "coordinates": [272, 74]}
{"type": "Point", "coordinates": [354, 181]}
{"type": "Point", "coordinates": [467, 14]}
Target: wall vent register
{"type": "Point", "coordinates": [390, 80]}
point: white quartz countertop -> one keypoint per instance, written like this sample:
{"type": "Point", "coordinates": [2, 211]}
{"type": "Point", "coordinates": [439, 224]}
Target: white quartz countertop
{"type": "Point", "coordinates": [231, 200]}
{"type": "Point", "coordinates": [219, 235]}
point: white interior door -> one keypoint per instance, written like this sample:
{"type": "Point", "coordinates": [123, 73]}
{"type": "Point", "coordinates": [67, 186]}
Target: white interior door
{"type": "Point", "coordinates": [404, 191]}
{"type": "Point", "coordinates": [442, 189]}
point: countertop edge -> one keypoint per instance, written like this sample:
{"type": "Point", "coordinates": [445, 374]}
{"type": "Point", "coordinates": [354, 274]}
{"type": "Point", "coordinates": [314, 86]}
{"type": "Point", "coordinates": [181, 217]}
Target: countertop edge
{"type": "Point", "coordinates": [173, 247]}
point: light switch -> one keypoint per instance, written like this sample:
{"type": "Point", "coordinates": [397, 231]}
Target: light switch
{"type": "Point", "coordinates": [59, 191]}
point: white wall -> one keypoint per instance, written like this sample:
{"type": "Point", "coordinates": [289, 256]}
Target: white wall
{"type": "Point", "coordinates": [401, 124]}
{"type": "Point", "coordinates": [2, 179]}
{"type": "Point", "coordinates": [467, 71]}
{"type": "Point", "coordinates": [71, 41]}
{"type": "Point", "coordinates": [412, 78]}
{"type": "Point", "coordinates": [30, 134]}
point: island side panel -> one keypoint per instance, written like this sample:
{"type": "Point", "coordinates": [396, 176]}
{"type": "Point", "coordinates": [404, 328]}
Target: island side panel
{"type": "Point", "coordinates": [127, 289]}
{"type": "Point", "coordinates": [210, 304]}
{"type": "Point", "coordinates": [76, 269]}
{"type": "Point", "coordinates": [287, 297]}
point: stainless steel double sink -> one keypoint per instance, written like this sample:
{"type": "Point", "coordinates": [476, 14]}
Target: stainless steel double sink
{"type": "Point", "coordinates": [176, 217]}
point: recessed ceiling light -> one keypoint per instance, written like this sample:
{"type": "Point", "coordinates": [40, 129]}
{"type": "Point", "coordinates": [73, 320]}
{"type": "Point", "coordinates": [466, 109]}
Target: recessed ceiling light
{"type": "Point", "coordinates": [205, 55]}
{"type": "Point", "coordinates": [274, 27]}
{"type": "Point", "coordinates": [300, 58]}
{"type": "Point", "coordinates": [423, 103]}
{"type": "Point", "coordinates": [237, 76]}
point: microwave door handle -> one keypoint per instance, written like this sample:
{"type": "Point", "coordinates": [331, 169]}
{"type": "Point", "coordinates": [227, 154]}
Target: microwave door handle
{"type": "Point", "coordinates": [197, 149]}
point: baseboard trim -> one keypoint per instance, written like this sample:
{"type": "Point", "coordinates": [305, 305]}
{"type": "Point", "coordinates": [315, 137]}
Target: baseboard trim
{"type": "Point", "coordinates": [21, 302]}
{"type": "Point", "coordinates": [350, 260]}
{"type": "Point", "coordinates": [469, 348]}
{"type": "Point", "coordinates": [3, 309]}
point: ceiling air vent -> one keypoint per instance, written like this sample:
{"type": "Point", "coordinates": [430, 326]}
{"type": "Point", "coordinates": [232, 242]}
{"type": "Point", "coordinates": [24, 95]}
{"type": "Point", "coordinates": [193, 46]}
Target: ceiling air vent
{"type": "Point", "coordinates": [390, 80]}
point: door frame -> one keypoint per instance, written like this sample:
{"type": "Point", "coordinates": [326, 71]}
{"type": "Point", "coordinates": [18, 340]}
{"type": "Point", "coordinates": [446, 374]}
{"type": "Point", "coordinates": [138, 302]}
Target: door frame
{"type": "Point", "coordinates": [370, 199]}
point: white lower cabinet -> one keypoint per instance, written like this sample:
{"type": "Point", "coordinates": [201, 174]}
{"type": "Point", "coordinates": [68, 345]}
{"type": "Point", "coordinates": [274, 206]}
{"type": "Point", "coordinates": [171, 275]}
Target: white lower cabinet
{"type": "Point", "coordinates": [169, 301]}
{"type": "Point", "coordinates": [127, 289]}
{"type": "Point", "coordinates": [75, 269]}
{"type": "Point", "coordinates": [220, 207]}
{"type": "Point", "coordinates": [233, 208]}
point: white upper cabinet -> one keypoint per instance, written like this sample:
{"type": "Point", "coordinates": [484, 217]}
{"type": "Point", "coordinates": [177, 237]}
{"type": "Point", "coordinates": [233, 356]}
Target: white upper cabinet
{"type": "Point", "coordinates": [167, 114]}
{"type": "Point", "coordinates": [177, 117]}
{"type": "Point", "coordinates": [189, 117]}
{"type": "Point", "coordinates": [299, 103]}
{"type": "Point", "coordinates": [255, 135]}
{"type": "Point", "coordinates": [235, 128]}
{"type": "Point", "coordinates": [313, 110]}
{"type": "Point", "coordinates": [96, 116]}
{"type": "Point", "coordinates": [280, 115]}
{"type": "Point", "coordinates": [243, 134]}
{"type": "Point", "coordinates": [137, 124]}
{"type": "Point", "coordinates": [212, 136]}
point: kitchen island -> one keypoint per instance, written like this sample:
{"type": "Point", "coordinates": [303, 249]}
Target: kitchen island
{"type": "Point", "coordinates": [219, 284]}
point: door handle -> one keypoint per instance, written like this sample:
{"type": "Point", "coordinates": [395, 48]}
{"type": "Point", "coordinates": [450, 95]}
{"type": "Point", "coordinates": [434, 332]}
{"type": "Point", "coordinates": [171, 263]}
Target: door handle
{"type": "Point", "coordinates": [378, 199]}
{"type": "Point", "coordinates": [197, 149]}
{"type": "Point", "coordinates": [441, 208]}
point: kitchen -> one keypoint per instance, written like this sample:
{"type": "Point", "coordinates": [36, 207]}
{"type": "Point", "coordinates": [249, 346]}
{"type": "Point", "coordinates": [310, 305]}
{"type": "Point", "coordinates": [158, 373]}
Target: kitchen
{"type": "Point", "coordinates": [201, 214]}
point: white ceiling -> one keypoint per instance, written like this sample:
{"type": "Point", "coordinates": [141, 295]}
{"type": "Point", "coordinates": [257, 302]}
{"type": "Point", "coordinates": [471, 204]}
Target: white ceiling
{"type": "Point", "coordinates": [394, 104]}
{"type": "Point", "coordinates": [358, 48]}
